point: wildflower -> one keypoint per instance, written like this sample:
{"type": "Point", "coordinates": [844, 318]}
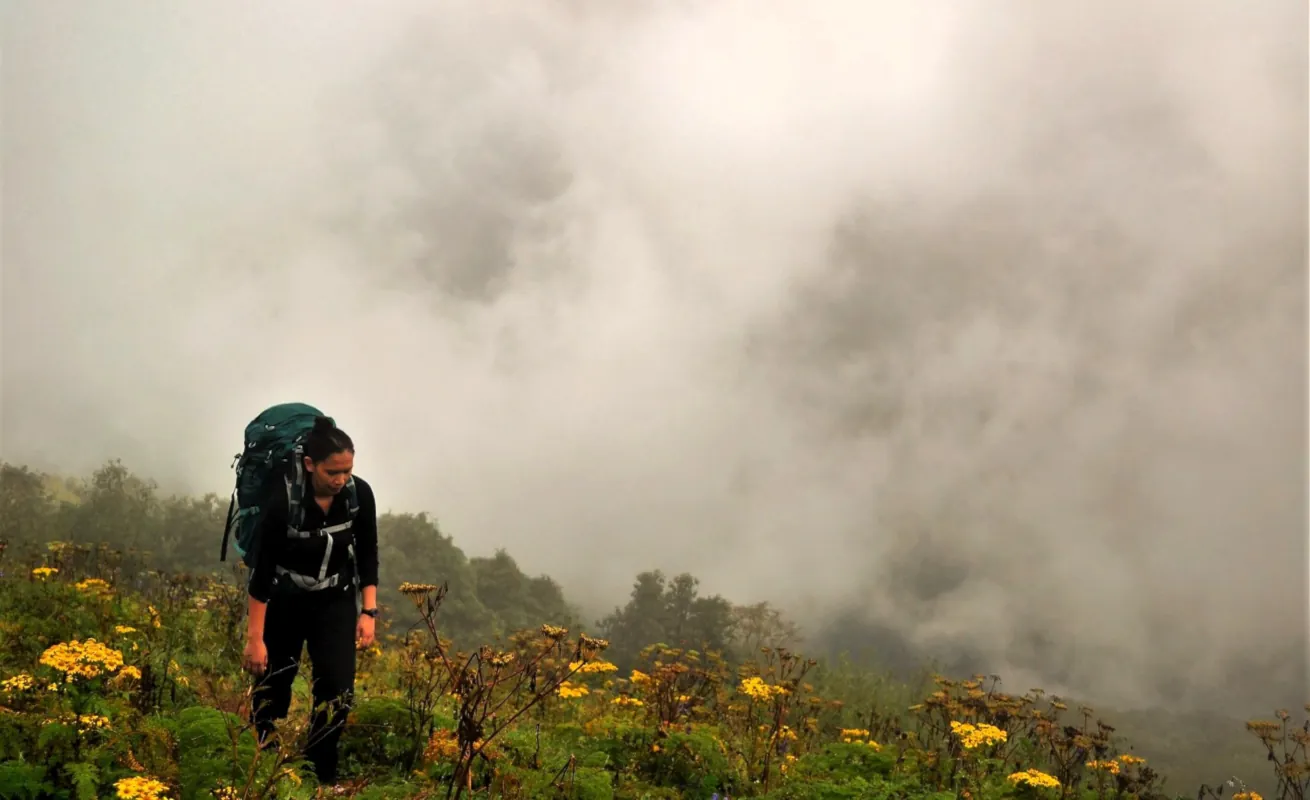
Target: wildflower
{"type": "Point", "coordinates": [141, 788]}
{"type": "Point", "coordinates": [1034, 778]}
{"type": "Point", "coordinates": [1111, 767]}
{"type": "Point", "coordinates": [1131, 760]}
{"type": "Point", "coordinates": [154, 616]}
{"type": "Point", "coordinates": [554, 632]}
{"type": "Point", "coordinates": [757, 689]}
{"type": "Point", "coordinates": [593, 666]}
{"type": "Point", "coordinates": [87, 659]}
{"type": "Point", "coordinates": [225, 793]}
{"type": "Point", "coordinates": [21, 682]}
{"type": "Point", "coordinates": [639, 677]}
{"type": "Point", "coordinates": [568, 690]}
{"type": "Point", "coordinates": [624, 700]}
{"type": "Point", "coordinates": [972, 736]}
{"type": "Point", "coordinates": [128, 673]}
{"type": "Point", "coordinates": [90, 722]}
{"type": "Point", "coordinates": [1247, 796]}
{"type": "Point", "coordinates": [124, 629]}
{"type": "Point", "coordinates": [94, 586]}
{"type": "Point", "coordinates": [591, 644]}
{"type": "Point", "coordinates": [442, 745]}
{"type": "Point", "coordinates": [44, 572]}
{"type": "Point", "coordinates": [416, 589]}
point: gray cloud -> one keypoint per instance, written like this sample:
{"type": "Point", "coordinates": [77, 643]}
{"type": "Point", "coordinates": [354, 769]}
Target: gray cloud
{"type": "Point", "coordinates": [983, 325]}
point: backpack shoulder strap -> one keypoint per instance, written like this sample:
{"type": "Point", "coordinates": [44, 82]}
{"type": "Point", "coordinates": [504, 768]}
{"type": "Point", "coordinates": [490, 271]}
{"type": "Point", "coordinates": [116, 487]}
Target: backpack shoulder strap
{"type": "Point", "coordinates": [295, 482]}
{"type": "Point", "coordinates": [352, 498]}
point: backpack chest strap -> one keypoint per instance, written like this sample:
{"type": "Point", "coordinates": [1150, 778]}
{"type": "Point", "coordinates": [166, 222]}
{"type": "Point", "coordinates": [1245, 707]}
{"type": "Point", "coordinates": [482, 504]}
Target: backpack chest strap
{"type": "Point", "coordinates": [295, 533]}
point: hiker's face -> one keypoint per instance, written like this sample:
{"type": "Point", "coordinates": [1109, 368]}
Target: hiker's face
{"type": "Point", "coordinates": [329, 476]}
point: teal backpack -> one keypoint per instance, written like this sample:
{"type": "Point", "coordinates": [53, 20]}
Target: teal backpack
{"type": "Point", "coordinates": [272, 460]}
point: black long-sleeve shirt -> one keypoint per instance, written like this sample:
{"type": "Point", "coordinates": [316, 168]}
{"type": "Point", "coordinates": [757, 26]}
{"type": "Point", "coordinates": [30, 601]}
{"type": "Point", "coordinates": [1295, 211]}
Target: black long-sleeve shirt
{"type": "Point", "coordinates": [305, 556]}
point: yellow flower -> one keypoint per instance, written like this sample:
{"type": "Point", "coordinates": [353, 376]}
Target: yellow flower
{"type": "Point", "coordinates": [416, 589]}
{"type": "Point", "coordinates": [1131, 760]}
{"type": "Point", "coordinates": [442, 746]}
{"type": "Point", "coordinates": [94, 586]}
{"type": "Point", "coordinates": [1111, 767]}
{"type": "Point", "coordinates": [44, 572]}
{"type": "Point", "coordinates": [1247, 796]}
{"type": "Point", "coordinates": [757, 689]}
{"type": "Point", "coordinates": [21, 682]}
{"type": "Point", "coordinates": [1034, 778]}
{"type": "Point", "coordinates": [141, 788]}
{"type": "Point", "coordinates": [124, 629]}
{"type": "Point", "coordinates": [593, 666]}
{"type": "Point", "coordinates": [568, 690]}
{"type": "Point", "coordinates": [972, 736]}
{"type": "Point", "coordinates": [554, 632]}
{"type": "Point", "coordinates": [87, 659]}
{"type": "Point", "coordinates": [626, 701]}
{"type": "Point", "coordinates": [89, 722]}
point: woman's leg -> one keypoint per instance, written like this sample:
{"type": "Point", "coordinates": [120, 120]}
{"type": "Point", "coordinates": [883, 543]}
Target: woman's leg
{"type": "Point", "coordinates": [331, 639]}
{"type": "Point", "coordinates": [284, 637]}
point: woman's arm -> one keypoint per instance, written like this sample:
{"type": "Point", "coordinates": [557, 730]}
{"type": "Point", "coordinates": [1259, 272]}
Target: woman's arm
{"type": "Point", "coordinates": [366, 543]}
{"type": "Point", "coordinates": [268, 548]}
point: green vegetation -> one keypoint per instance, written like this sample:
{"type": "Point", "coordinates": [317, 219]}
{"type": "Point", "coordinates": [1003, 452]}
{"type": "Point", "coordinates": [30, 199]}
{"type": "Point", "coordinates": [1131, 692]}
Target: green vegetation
{"type": "Point", "coordinates": [121, 678]}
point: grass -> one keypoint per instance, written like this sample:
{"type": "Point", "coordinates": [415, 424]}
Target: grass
{"type": "Point", "coordinates": [128, 685]}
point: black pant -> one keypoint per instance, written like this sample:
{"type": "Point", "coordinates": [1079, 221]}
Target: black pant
{"type": "Point", "coordinates": [325, 620]}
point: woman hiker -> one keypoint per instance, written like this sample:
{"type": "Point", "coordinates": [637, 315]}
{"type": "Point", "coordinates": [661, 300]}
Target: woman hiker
{"type": "Point", "coordinates": [304, 590]}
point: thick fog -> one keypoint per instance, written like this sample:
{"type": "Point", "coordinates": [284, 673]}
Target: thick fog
{"type": "Point", "coordinates": [981, 323]}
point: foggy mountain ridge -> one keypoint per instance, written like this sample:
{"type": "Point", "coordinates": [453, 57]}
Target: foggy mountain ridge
{"type": "Point", "coordinates": [955, 331]}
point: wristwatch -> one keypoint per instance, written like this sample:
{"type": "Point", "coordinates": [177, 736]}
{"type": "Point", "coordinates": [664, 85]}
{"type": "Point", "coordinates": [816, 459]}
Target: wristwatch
{"type": "Point", "coordinates": [372, 612]}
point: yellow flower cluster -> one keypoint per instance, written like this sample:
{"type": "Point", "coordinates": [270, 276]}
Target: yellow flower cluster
{"type": "Point", "coordinates": [627, 701]}
{"type": "Point", "coordinates": [416, 589]}
{"type": "Point", "coordinates": [90, 722]}
{"type": "Point", "coordinates": [977, 735]}
{"type": "Point", "coordinates": [95, 586]}
{"type": "Point", "coordinates": [140, 788]}
{"type": "Point", "coordinates": [593, 666]}
{"type": "Point", "coordinates": [44, 572]}
{"type": "Point", "coordinates": [87, 659]}
{"type": "Point", "coordinates": [638, 677]}
{"type": "Point", "coordinates": [570, 691]}
{"type": "Point", "coordinates": [154, 616]}
{"type": "Point", "coordinates": [554, 632]}
{"type": "Point", "coordinates": [858, 736]}
{"type": "Point", "coordinates": [225, 793]}
{"type": "Point", "coordinates": [124, 629]}
{"type": "Point", "coordinates": [757, 689]}
{"type": "Point", "coordinates": [1111, 767]}
{"type": "Point", "coordinates": [1132, 760]}
{"type": "Point", "coordinates": [21, 682]}
{"type": "Point", "coordinates": [1034, 778]}
{"type": "Point", "coordinates": [1247, 796]}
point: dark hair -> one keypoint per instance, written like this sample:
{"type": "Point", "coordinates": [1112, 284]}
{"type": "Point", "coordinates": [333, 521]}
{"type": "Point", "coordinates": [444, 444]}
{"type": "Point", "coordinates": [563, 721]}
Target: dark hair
{"type": "Point", "coordinates": [326, 440]}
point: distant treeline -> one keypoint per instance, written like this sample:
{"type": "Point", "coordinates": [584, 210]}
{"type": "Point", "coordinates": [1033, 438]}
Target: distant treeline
{"type": "Point", "coordinates": [488, 597]}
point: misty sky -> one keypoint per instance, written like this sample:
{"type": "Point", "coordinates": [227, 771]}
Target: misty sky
{"type": "Point", "coordinates": [985, 320]}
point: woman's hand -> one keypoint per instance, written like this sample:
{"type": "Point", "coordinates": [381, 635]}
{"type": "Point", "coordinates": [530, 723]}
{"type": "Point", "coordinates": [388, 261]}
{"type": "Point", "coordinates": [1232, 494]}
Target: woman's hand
{"type": "Point", "coordinates": [364, 631]}
{"type": "Point", "coordinates": [256, 656]}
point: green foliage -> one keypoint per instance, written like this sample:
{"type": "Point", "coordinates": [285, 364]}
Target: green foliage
{"type": "Point", "coordinates": [134, 571]}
